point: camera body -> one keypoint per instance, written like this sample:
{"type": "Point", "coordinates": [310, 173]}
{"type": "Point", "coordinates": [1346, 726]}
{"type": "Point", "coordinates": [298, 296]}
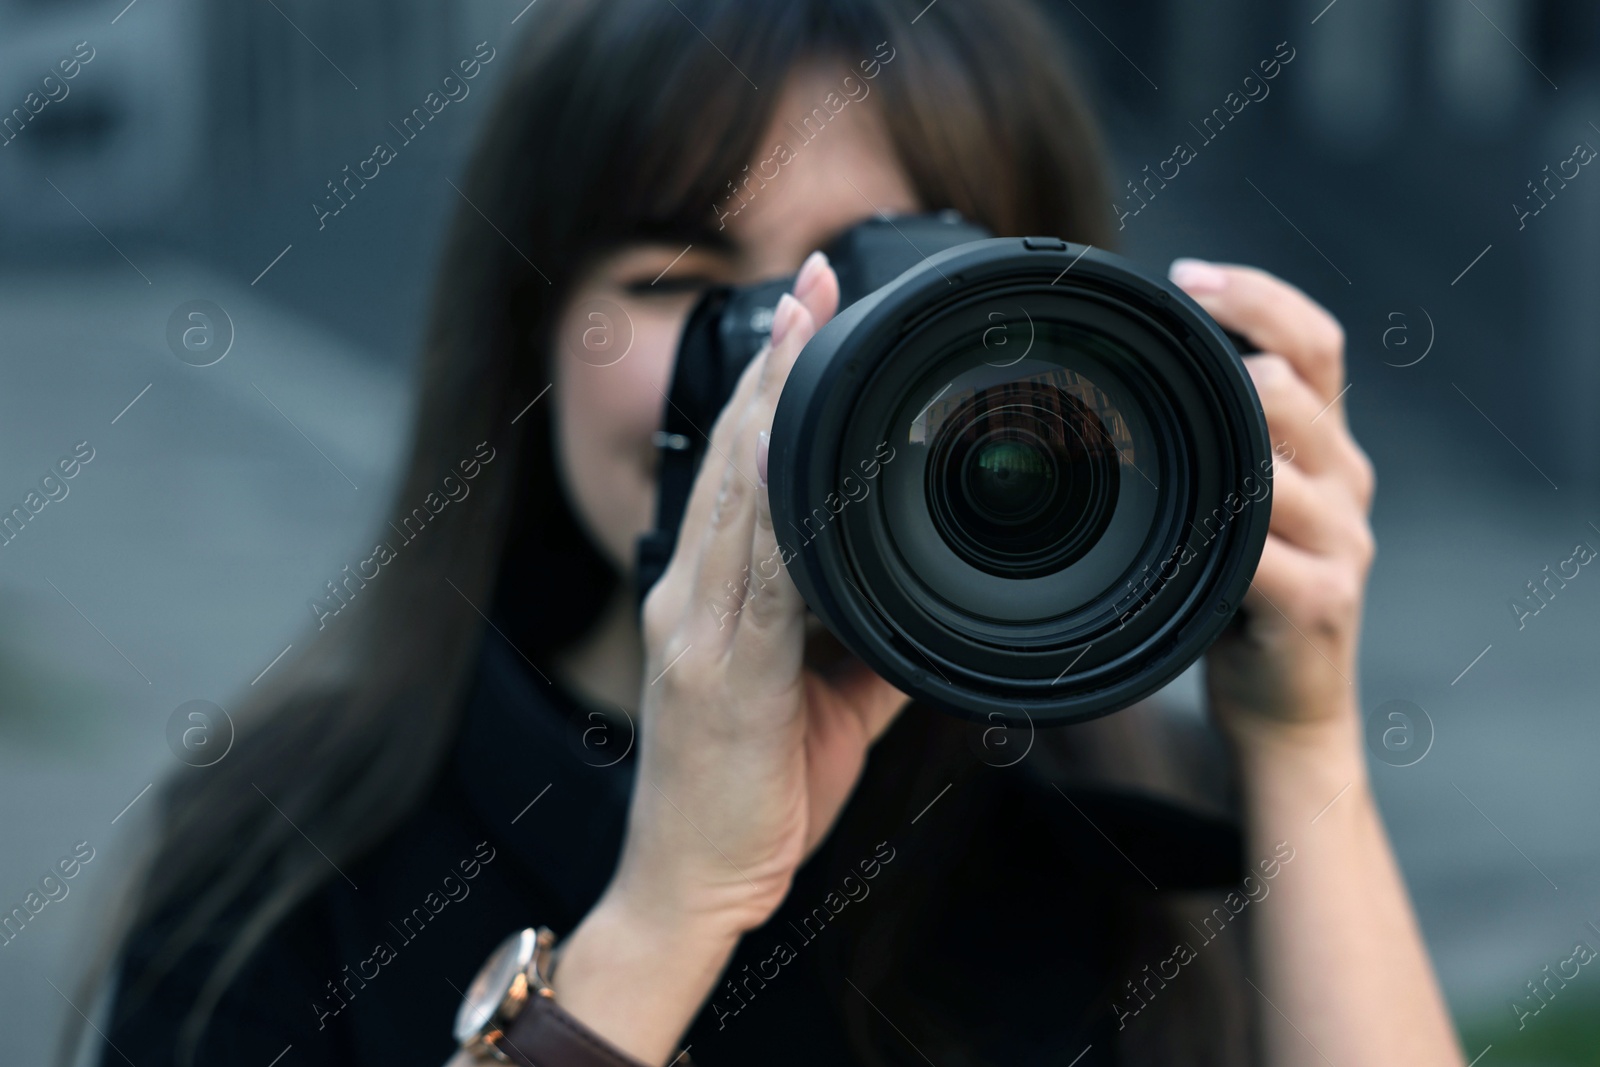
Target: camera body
{"type": "Point", "coordinates": [728, 327]}
{"type": "Point", "coordinates": [1019, 478]}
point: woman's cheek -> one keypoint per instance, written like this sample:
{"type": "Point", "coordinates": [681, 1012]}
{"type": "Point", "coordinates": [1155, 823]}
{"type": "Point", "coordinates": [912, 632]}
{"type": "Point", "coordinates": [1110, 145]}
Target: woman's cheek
{"type": "Point", "coordinates": [609, 409]}
{"type": "Point", "coordinates": [656, 335]}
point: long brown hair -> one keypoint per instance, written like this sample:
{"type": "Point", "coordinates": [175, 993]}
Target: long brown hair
{"type": "Point", "coordinates": [619, 119]}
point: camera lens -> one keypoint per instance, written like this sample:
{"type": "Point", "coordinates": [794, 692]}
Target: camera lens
{"type": "Point", "coordinates": [1019, 483]}
{"type": "Point", "coordinates": [1023, 482]}
{"type": "Point", "coordinates": [1003, 481]}
{"type": "Point", "coordinates": [1006, 474]}
{"type": "Point", "coordinates": [1015, 492]}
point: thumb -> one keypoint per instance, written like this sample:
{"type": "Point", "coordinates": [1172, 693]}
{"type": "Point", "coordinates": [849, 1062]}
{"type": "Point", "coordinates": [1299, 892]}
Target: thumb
{"type": "Point", "coordinates": [875, 701]}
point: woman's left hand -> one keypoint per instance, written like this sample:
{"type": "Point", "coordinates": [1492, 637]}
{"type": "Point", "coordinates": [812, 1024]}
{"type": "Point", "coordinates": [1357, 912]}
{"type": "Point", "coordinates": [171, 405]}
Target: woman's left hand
{"type": "Point", "coordinates": [1337, 949]}
{"type": "Point", "coordinates": [1290, 668]}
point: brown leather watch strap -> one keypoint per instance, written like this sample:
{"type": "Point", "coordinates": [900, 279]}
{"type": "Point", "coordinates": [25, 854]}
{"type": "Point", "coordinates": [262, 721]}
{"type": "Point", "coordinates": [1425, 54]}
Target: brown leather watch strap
{"type": "Point", "coordinates": [543, 1035]}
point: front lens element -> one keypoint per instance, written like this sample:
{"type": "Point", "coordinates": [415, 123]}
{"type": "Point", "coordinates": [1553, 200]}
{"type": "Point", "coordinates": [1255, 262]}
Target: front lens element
{"type": "Point", "coordinates": [1009, 477]}
{"type": "Point", "coordinates": [1022, 479]}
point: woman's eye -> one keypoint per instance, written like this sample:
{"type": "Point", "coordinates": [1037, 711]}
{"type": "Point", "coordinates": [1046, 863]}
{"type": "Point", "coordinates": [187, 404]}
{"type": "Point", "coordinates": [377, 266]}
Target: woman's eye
{"type": "Point", "coordinates": [668, 286]}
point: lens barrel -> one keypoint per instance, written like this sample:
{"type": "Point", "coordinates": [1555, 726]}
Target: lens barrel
{"type": "Point", "coordinates": [1024, 481]}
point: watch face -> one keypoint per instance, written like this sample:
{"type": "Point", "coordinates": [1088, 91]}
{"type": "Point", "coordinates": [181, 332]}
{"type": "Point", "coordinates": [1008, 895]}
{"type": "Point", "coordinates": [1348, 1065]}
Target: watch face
{"type": "Point", "coordinates": [488, 990]}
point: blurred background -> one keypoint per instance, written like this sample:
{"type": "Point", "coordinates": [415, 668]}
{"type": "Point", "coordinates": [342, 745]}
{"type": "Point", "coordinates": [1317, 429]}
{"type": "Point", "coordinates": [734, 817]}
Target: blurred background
{"type": "Point", "coordinates": [1415, 167]}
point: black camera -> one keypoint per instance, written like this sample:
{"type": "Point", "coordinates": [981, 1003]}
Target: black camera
{"type": "Point", "coordinates": [1020, 478]}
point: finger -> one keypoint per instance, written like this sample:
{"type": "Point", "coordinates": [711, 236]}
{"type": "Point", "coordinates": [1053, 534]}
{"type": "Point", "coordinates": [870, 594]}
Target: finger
{"type": "Point", "coordinates": [817, 287]}
{"type": "Point", "coordinates": [722, 555]}
{"type": "Point", "coordinates": [715, 496]}
{"type": "Point", "coordinates": [858, 697]}
{"type": "Point", "coordinates": [770, 639]}
{"type": "Point", "coordinates": [729, 539]}
{"type": "Point", "coordinates": [1294, 412]}
{"type": "Point", "coordinates": [772, 623]}
{"type": "Point", "coordinates": [1275, 316]}
{"type": "Point", "coordinates": [1298, 515]}
{"type": "Point", "coordinates": [1316, 442]}
{"type": "Point", "coordinates": [1308, 593]}
{"type": "Point", "coordinates": [875, 701]}
{"type": "Point", "coordinates": [670, 599]}
{"type": "Point", "coordinates": [1317, 515]}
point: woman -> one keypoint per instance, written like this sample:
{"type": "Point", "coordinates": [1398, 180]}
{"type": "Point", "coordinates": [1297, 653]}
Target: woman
{"type": "Point", "coordinates": [783, 863]}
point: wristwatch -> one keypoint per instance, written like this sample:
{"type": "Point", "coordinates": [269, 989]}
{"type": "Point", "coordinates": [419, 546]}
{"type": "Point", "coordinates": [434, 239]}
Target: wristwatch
{"type": "Point", "coordinates": [510, 1015]}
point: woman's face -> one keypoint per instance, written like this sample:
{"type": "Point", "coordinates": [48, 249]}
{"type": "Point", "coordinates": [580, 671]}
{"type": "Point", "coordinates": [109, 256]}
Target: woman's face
{"type": "Point", "coordinates": [608, 404]}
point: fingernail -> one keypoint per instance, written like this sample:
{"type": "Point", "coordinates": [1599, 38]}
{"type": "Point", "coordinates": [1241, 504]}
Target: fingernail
{"type": "Point", "coordinates": [810, 272]}
{"type": "Point", "coordinates": [763, 440]}
{"type": "Point", "coordinates": [783, 317]}
{"type": "Point", "coordinates": [1197, 276]}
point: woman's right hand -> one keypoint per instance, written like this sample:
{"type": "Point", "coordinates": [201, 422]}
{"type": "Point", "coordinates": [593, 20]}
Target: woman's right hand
{"type": "Point", "coordinates": [746, 755]}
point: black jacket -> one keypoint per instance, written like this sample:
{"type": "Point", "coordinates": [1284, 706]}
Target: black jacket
{"type": "Point", "coordinates": [961, 910]}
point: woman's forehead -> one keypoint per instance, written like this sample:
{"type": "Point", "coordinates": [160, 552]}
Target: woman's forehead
{"type": "Point", "coordinates": [824, 163]}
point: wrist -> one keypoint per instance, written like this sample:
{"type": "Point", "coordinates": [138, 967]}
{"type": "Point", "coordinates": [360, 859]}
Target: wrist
{"type": "Point", "coordinates": [659, 891]}
{"type": "Point", "coordinates": [1294, 757]}
{"type": "Point", "coordinates": [637, 976]}
{"type": "Point", "coordinates": [642, 919]}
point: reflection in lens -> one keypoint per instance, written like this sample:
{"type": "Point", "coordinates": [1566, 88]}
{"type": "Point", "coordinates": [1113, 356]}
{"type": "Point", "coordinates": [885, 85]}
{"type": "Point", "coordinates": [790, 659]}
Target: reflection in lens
{"type": "Point", "coordinates": [1022, 478]}
{"type": "Point", "coordinates": [1007, 476]}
